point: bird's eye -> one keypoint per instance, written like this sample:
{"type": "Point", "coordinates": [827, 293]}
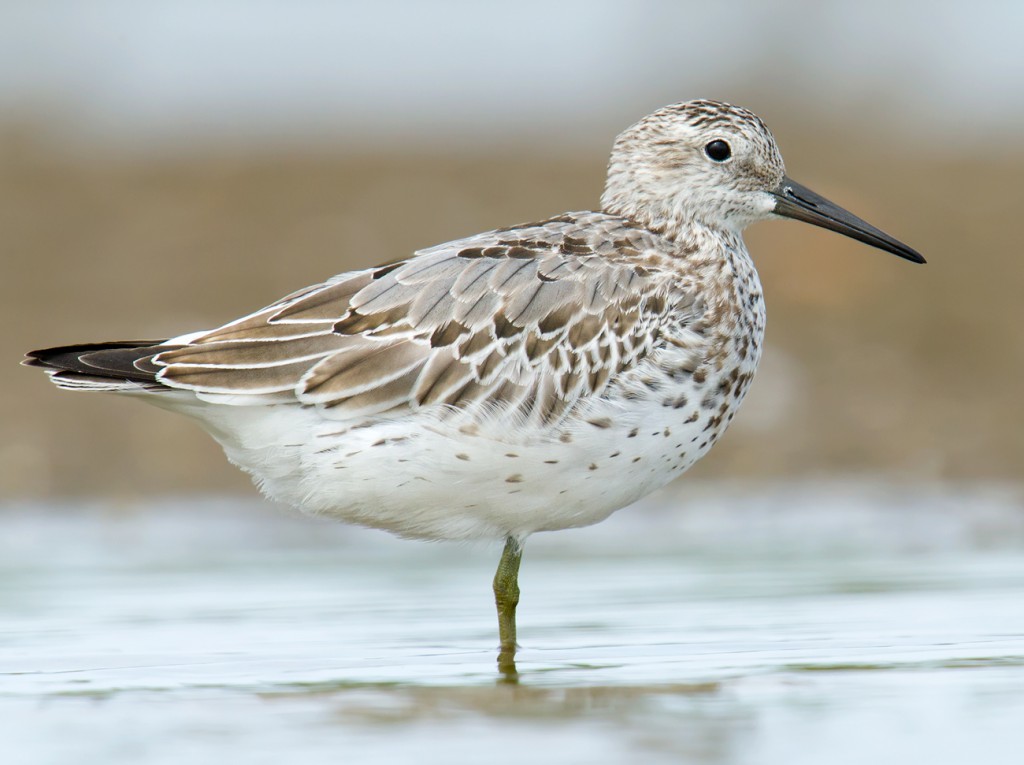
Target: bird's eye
{"type": "Point", "coordinates": [718, 151]}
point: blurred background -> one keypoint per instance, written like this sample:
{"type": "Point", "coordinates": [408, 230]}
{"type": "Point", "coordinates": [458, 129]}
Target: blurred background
{"type": "Point", "coordinates": [169, 166]}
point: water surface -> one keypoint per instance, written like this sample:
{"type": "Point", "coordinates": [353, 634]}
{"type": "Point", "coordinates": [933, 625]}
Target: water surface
{"type": "Point", "coordinates": [799, 625]}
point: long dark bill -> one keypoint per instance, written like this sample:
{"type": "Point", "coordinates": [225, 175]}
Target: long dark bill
{"type": "Point", "coordinates": [800, 203]}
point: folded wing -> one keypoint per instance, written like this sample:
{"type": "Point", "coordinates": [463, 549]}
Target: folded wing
{"type": "Point", "coordinates": [527, 320]}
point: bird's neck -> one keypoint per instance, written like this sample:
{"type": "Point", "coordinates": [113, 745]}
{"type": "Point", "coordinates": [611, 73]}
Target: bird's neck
{"type": "Point", "coordinates": [686, 231]}
{"type": "Point", "coordinates": [664, 216]}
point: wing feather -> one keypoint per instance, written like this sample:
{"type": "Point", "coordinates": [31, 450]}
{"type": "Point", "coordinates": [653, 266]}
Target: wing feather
{"type": "Point", "coordinates": [527, 320]}
{"type": "Point", "coordinates": [359, 368]}
{"type": "Point", "coordinates": [442, 378]}
{"type": "Point", "coordinates": [253, 380]}
{"type": "Point", "coordinates": [249, 354]}
{"type": "Point", "coordinates": [322, 305]}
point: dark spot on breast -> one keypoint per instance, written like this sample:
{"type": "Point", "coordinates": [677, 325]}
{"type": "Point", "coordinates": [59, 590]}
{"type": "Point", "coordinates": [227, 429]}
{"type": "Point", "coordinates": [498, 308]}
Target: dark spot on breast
{"type": "Point", "coordinates": [692, 418]}
{"type": "Point", "coordinates": [593, 466]}
{"type": "Point", "coordinates": [633, 433]}
{"type": "Point", "coordinates": [514, 478]}
{"type": "Point", "coordinates": [462, 456]}
{"type": "Point", "coordinates": [600, 422]}
{"type": "Point", "coordinates": [656, 304]}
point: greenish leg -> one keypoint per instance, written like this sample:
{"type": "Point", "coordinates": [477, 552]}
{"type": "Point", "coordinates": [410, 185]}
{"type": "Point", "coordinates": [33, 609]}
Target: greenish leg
{"type": "Point", "coordinates": [506, 598]}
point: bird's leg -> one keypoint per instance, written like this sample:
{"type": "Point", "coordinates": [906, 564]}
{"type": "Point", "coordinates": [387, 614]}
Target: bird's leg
{"type": "Point", "coordinates": [506, 598]}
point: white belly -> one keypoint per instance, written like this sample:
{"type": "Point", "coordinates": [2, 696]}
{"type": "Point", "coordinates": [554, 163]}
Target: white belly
{"type": "Point", "coordinates": [443, 483]}
{"type": "Point", "coordinates": [419, 476]}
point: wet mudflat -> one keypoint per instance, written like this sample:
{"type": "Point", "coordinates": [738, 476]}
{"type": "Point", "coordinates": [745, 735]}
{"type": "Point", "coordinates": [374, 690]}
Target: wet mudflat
{"type": "Point", "coordinates": [814, 624]}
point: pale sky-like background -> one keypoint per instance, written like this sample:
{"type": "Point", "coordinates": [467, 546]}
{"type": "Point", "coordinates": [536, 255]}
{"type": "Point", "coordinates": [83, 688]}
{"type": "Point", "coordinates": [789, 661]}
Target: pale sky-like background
{"type": "Point", "coordinates": [158, 75]}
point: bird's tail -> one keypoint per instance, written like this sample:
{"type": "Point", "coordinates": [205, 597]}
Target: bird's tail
{"type": "Point", "coordinates": [121, 366]}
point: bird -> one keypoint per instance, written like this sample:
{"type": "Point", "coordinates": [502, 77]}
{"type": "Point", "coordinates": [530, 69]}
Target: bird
{"type": "Point", "coordinates": [531, 378]}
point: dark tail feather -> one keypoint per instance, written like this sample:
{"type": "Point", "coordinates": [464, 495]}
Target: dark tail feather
{"type": "Point", "coordinates": [127, 360]}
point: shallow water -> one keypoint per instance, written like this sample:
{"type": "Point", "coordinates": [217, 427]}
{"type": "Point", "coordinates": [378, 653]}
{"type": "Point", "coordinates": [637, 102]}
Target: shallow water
{"type": "Point", "coordinates": [777, 625]}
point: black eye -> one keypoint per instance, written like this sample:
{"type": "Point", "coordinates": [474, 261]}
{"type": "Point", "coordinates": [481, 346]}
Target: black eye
{"type": "Point", "coordinates": [718, 151]}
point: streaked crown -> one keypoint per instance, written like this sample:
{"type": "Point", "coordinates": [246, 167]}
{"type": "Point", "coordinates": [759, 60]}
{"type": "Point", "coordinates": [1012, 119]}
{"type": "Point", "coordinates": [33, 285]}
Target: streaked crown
{"type": "Point", "coordinates": [698, 161]}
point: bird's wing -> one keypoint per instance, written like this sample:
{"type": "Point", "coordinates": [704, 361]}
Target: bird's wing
{"type": "Point", "coordinates": [529, 319]}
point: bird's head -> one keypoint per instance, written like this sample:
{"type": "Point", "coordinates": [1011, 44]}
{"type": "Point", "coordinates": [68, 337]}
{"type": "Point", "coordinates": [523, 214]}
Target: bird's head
{"type": "Point", "coordinates": [718, 165]}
